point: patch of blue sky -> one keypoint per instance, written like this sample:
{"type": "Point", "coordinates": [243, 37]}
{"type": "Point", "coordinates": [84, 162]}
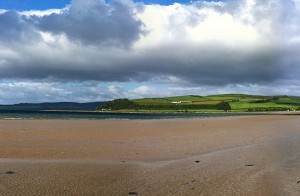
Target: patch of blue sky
{"type": "Point", "coordinates": [21, 5]}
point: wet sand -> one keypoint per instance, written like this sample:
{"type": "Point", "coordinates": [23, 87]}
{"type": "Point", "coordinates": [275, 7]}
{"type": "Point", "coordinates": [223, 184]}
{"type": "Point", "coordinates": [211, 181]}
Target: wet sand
{"type": "Point", "coordinates": [249, 155]}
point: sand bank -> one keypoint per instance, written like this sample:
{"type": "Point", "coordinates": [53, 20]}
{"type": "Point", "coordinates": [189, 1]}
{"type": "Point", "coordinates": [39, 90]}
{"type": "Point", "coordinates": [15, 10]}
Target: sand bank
{"type": "Point", "coordinates": [249, 155]}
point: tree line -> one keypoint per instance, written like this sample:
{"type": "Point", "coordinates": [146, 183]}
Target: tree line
{"type": "Point", "coordinates": [123, 104]}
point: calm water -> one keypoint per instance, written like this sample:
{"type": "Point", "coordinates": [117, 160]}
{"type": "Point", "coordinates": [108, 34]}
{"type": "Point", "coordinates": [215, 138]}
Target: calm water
{"type": "Point", "coordinates": [95, 115]}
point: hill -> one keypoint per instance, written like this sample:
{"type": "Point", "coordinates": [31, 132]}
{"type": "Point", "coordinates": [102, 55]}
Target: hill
{"type": "Point", "coordinates": [212, 103]}
{"type": "Point", "coordinates": [53, 106]}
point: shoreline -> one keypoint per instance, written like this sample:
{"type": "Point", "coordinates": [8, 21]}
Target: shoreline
{"type": "Point", "coordinates": [94, 115]}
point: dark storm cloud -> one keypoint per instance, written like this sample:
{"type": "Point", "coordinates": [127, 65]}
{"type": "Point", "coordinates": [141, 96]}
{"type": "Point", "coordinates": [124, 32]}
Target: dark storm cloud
{"type": "Point", "coordinates": [198, 64]}
{"type": "Point", "coordinates": [46, 72]}
{"type": "Point", "coordinates": [94, 22]}
{"type": "Point", "coordinates": [211, 65]}
{"type": "Point", "coordinates": [15, 28]}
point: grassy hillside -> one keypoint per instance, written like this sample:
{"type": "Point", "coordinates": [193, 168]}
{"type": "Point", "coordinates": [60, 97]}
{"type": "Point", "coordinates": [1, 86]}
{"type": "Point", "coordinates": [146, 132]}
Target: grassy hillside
{"type": "Point", "coordinates": [227, 102]}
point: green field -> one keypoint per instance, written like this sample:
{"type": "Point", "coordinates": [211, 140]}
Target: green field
{"type": "Point", "coordinates": [212, 103]}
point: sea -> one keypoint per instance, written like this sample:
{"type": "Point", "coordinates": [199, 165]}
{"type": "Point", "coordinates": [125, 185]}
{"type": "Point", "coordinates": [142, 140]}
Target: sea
{"type": "Point", "coordinates": [105, 115]}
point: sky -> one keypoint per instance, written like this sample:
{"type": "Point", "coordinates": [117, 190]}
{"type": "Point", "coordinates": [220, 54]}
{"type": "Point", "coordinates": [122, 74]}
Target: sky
{"type": "Point", "coordinates": [96, 50]}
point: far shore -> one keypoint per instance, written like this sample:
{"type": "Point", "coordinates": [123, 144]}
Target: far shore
{"type": "Point", "coordinates": [176, 112]}
{"type": "Point", "coordinates": [236, 155]}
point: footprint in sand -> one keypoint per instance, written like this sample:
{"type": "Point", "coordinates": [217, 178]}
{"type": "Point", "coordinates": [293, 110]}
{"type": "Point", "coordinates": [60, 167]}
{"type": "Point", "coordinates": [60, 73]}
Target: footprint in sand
{"type": "Point", "coordinates": [133, 193]}
{"type": "Point", "coordinates": [9, 172]}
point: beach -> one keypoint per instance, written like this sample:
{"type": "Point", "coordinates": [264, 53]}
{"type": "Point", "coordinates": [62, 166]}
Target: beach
{"type": "Point", "coordinates": [242, 155]}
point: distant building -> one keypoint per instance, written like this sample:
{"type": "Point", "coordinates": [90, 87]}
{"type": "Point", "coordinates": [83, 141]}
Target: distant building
{"type": "Point", "coordinates": [179, 102]}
